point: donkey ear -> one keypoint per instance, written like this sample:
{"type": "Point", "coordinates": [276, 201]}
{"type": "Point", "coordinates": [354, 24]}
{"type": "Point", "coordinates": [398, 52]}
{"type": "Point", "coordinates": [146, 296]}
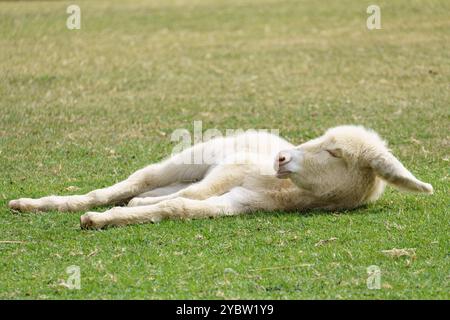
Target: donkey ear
{"type": "Point", "coordinates": [389, 168]}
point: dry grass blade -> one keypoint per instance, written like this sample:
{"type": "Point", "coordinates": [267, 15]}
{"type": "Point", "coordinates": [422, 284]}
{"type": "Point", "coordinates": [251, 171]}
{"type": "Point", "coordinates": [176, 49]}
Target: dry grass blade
{"type": "Point", "coordinates": [12, 241]}
{"type": "Point", "coordinates": [325, 241]}
{"type": "Point", "coordinates": [93, 253]}
{"type": "Point", "coordinates": [396, 253]}
{"type": "Point", "coordinates": [282, 267]}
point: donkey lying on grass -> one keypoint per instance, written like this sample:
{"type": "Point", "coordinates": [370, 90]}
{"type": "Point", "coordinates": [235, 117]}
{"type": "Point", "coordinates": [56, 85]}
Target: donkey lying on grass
{"type": "Point", "coordinates": [345, 168]}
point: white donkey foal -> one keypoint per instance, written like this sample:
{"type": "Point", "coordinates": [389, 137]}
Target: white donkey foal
{"type": "Point", "coordinates": [345, 168]}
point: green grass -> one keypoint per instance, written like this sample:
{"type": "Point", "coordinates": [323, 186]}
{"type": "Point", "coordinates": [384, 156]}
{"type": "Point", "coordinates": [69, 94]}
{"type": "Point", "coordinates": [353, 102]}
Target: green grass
{"type": "Point", "coordinates": [85, 108]}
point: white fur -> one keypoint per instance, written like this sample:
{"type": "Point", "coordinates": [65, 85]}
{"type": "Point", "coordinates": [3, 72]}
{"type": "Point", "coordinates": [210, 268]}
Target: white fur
{"type": "Point", "coordinates": [343, 169]}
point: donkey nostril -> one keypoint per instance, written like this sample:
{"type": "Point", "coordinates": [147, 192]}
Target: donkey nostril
{"type": "Point", "coordinates": [281, 159]}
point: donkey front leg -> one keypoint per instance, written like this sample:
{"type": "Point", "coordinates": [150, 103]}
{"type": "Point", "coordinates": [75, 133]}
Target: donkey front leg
{"type": "Point", "coordinates": [237, 201]}
{"type": "Point", "coordinates": [153, 176]}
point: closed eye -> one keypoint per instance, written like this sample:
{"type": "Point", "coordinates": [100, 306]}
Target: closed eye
{"type": "Point", "coordinates": [333, 153]}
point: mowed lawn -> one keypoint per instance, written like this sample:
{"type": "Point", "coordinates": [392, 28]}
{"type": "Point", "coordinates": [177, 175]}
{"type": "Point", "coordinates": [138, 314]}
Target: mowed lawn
{"type": "Point", "coordinates": [82, 109]}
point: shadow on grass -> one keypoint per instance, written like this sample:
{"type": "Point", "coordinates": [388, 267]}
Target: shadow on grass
{"type": "Point", "coordinates": [310, 213]}
{"type": "Point", "coordinates": [300, 215]}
